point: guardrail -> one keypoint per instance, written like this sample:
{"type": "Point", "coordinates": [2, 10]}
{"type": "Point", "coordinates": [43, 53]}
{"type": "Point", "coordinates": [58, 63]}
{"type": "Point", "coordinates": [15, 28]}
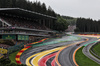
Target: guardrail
{"type": "Point", "coordinates": [93, 52]}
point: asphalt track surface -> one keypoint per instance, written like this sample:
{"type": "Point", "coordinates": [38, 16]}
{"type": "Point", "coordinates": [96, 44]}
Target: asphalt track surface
{"type": "Point", "coordinates": [65, 58]}
{"type": "Point", "coordinates": [35, 50]}
{"type": "Point", "coordinates": [88, 54]}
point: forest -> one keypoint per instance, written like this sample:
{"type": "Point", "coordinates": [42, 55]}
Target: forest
{"type": "Point", "coordinates": [35, 6]}
{"type": "Point", "coordinates": [87, 25]}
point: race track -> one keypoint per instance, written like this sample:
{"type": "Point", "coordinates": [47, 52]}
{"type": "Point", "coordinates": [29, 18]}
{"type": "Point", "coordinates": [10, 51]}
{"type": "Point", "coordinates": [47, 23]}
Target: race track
{"type": "Point", "coordinates": [54, 52]}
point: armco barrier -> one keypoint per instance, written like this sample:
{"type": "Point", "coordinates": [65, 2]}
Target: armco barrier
{"type": "Point", "coordinates": [17, 58]}
{"type": "Point", "coordinates": [93, 52]}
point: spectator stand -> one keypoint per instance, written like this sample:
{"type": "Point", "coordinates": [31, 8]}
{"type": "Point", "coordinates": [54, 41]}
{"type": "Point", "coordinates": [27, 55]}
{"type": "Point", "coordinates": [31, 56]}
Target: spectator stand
{"type": "Point", "coordinates": [4, 46]}
{"type": "Point", "coordinates": [18, 17]}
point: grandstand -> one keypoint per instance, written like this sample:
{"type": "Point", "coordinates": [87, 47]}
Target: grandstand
{"type": "Point", "coordinates": [17, 21]}
{"type": "Point", "coordinates": [23, 26]}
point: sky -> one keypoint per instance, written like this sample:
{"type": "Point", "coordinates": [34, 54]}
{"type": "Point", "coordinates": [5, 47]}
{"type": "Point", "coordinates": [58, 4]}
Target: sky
{"type": "Point", "coordinates": [75, 8]}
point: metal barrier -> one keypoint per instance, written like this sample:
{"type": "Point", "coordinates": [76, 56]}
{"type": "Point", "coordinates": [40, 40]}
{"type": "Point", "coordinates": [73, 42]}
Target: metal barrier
{"type": "Point", "coordinates": [93, 52]}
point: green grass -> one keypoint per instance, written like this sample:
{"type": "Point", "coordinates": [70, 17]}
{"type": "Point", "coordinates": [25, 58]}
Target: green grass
{"type": "Point", "coordinates": [69, 35]}
{"type": "Point", "coordinates": [82, 60]}
{"type": "Point", "coordinates": [12, 57]}
{"type": "Point", "coordinates": [97, 49]}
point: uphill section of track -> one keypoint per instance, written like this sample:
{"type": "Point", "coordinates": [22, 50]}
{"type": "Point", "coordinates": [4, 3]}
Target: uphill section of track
{"type": "Point", "coordinates": [88, 54]}
{"type": "Point", "coordinates": [59, 40]}
{"type": "Point", "coordinates": [65, 57]}
{"type": "Point", "coordinates": [65, 60]}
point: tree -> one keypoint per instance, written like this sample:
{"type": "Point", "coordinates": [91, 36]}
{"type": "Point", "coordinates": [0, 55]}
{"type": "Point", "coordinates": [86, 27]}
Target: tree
{"type": "Point", "coordinates": [26, 4]}
{"type": "Point", "coordinates": [77, 30]}
{"type": "Point", "coordinates": [60, 24]}
{"type": "Point", "coordinates": [87, 25]}
{"type": "Point", "coordinates": [44, 10]}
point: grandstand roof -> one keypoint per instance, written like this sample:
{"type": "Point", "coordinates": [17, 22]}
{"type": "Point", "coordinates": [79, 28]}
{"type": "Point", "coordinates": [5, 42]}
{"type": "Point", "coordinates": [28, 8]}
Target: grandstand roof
{"type": "Point", "coordinates": [25, 13]}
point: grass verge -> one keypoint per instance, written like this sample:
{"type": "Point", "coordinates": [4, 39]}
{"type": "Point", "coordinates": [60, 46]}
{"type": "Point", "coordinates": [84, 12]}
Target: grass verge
{"type": "Point", "coordinates": [69, 35]}
{"type": "Point", "coordinates": [82, 60]}
{"type": "Point", "coordinates": [12, 57]}
{"type": "Point", "coordinates": [97, 49]}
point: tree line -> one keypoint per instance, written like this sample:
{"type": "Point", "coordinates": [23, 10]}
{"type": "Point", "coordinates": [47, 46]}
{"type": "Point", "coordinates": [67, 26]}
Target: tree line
{"type": "Point", "coordinates": [87, 25]}
{"type": "Point", "coordinates": [61, 24]}
{"type": "Point", "coordinates": [70, 20]}
{"type": "Point", "coordinates": [35, 6]}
